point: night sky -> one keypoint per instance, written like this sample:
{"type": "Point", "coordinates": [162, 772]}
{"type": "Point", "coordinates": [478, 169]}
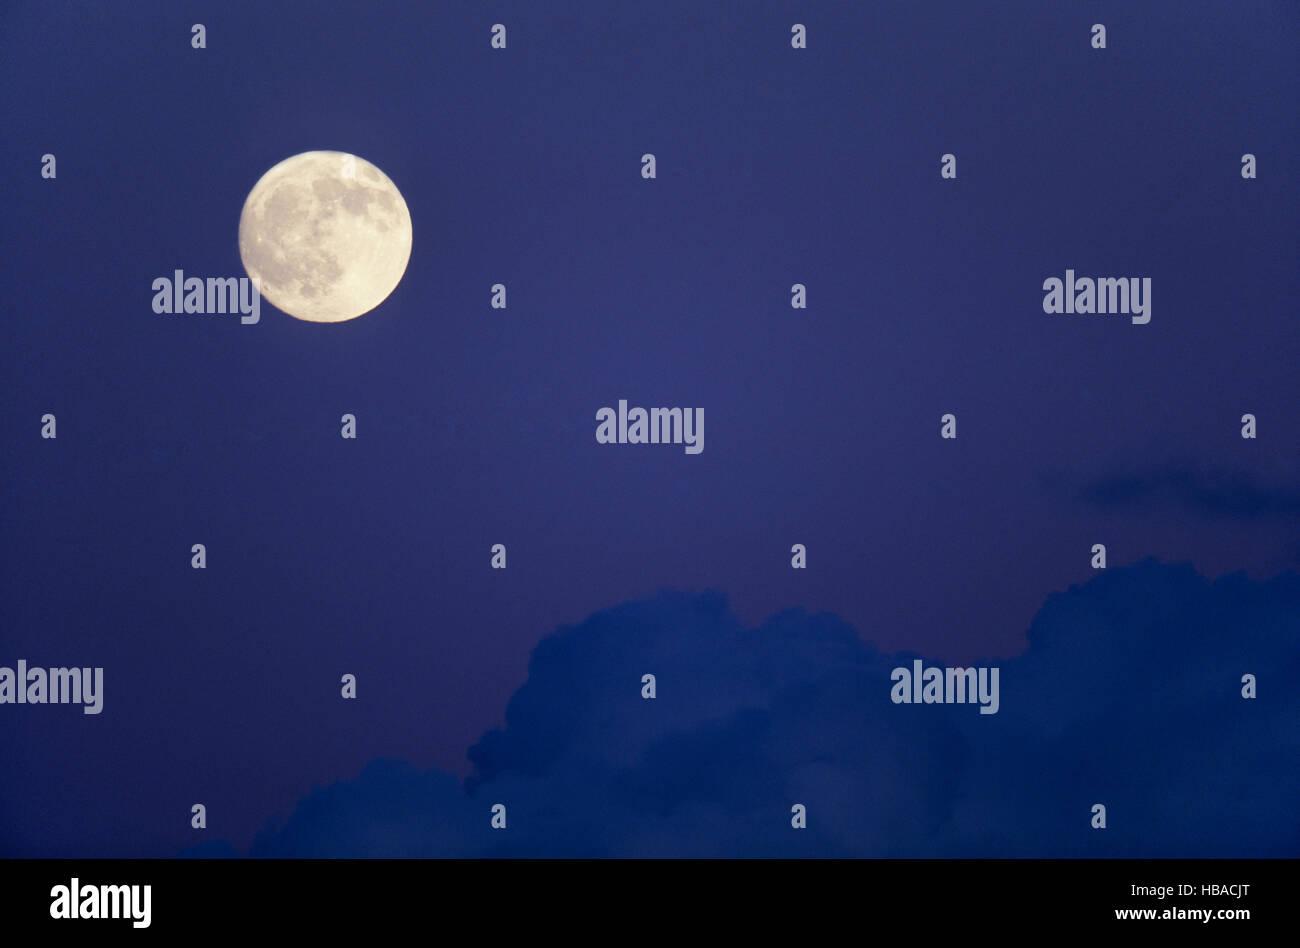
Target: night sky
{"type": "Point", "coordinates": [477, 426]}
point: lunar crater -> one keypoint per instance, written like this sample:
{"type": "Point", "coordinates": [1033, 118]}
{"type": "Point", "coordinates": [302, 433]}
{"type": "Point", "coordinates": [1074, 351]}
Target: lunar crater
{"type": "Point", "coordinates": [326, 236]}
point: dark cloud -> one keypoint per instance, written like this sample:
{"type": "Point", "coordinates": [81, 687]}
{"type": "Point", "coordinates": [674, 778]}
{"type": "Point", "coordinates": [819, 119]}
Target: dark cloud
{"type": "Point", "coordinates": [1128, 695]}
{"type": "Point", "coordinates": [1202, 492]}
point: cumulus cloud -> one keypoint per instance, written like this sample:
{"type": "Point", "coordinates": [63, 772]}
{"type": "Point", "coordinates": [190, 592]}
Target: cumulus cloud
{"type": "Point", "coordinates": [1129, 695]}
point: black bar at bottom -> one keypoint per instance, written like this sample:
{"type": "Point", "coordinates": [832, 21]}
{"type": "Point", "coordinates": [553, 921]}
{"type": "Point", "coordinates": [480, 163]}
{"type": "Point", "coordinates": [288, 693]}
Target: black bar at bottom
{"type": "Point", "coordinates": [621, 898]}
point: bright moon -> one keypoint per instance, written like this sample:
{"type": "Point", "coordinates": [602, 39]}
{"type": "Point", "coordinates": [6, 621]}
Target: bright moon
{"type": "Point", "coordinates": [325, 236]}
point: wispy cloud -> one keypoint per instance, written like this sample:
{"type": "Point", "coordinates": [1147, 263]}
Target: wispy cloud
{"type": "Point", "coordinates": [1214, 493]}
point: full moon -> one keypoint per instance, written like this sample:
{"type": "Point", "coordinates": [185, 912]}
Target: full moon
{"type": "Point", "coordinates": [325, 236]}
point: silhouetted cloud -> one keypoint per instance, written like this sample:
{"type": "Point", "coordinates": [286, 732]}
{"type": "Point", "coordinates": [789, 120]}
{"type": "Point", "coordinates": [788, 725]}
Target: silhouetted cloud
{"type": "Point", "coordinates": [1207, 493]}
{"type": "Point", "coordinates": [1129, 695]}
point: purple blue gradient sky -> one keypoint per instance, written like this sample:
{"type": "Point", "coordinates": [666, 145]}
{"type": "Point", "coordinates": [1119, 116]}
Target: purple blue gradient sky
{"type": "Point", "coordinates": [477, 426]}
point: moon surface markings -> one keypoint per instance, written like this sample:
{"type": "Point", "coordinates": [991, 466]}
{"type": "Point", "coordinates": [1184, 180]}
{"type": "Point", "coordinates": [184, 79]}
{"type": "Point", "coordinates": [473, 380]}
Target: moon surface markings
{"type": "Point", "coordinates": [326, 236]}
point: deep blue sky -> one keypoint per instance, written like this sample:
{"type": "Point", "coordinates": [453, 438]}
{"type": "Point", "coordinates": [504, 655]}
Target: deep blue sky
{"type": "Point", "coordinates": [477, 426]}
